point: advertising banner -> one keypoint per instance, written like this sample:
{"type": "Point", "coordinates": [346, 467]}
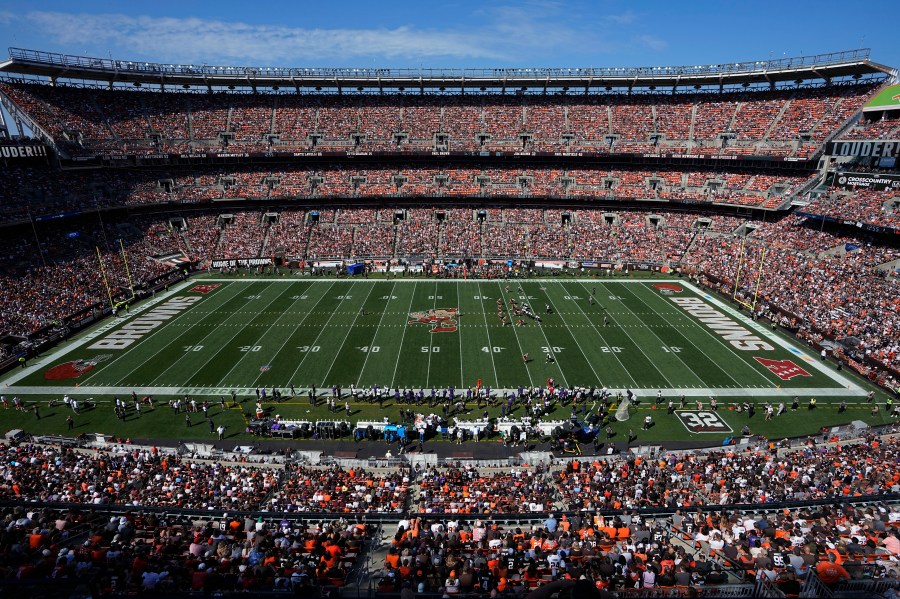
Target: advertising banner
{"type": "Point", "coordinates": [871, 181]}
{"type": "Point", "coordinates": [241, 262]}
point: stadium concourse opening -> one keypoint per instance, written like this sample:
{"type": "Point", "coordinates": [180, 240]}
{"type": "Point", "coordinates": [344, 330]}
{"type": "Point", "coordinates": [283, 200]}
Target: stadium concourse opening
{"type": "Point", "coordinates": [449, 332]}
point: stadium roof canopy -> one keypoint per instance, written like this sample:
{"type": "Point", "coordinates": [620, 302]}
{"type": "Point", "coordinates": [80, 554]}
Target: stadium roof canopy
{"type": "Point", "coordinates": [825, 67]}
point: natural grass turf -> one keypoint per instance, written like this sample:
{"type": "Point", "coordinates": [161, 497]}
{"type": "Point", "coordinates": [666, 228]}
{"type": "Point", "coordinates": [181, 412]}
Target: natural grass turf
{"type": "Point", "coordinates": [275, 330]}
{"type": "Point", "coordinates": [163, 423]}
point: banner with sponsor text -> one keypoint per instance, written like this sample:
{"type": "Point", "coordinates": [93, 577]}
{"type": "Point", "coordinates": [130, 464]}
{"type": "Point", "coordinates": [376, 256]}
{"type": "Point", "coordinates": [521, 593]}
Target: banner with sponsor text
{"type": "Point", "coordinates": [871, 181]}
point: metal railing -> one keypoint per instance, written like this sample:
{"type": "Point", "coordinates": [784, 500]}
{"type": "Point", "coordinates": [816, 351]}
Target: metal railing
{"type": "Point", "coordinates": [814, 587]}
{"type": "Point", "coordinates": [760, 589]}
{"type": "Point", "coordinates": [70, 61]}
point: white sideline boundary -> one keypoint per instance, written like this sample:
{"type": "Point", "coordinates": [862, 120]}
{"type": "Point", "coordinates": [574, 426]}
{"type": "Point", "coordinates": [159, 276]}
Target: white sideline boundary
{"type": "Point", "coordinates": [226, 391]}
{"type": "Point", "coordinates": [43, 361]}
{"type": "Point", "coordinates": [426, 279]}
{"type": "Point", "coordinates": [831, 373]}
{"type": "Point", "coordinates": [848, 388]}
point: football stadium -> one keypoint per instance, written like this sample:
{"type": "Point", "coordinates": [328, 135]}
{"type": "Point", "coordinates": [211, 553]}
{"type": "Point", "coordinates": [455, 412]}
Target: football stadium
{"type": "Point", "coordinates": [394, 333]}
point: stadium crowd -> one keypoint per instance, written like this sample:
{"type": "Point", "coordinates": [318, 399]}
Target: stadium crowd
{"type": "Point", "coordinates": [36, 192]}
{"type": "Point", "coordinates": [146, 553]}
{"type": "Point", "coordinates": [458, 541]}
{"type": "Point", "coordinates": [688, 551]}
{"type": "Point", "coordinates": [119, 121]}
{"type": "Point", "coordinates": [739, 475]}
{"type": "Point", "coordinates": [840, 296]}
{"type": "Point", "coordinates": [881, 208]}
{"type": "Point", "coordinates": [134, 478]}
{"type": "Point", "coordinates": [832, 289]}
{"type": "Point", "coordinates": [47, 283]}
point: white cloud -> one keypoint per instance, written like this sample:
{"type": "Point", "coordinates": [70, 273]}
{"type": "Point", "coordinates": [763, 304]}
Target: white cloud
{"type": "Point", "coordinates": [624, 18]}
{"type": "Point", "coordinates": [653, 42]}
{"type": "Point", "coordinates": [527, 33]}
{"type": "Point", "coordinates": [199, 40]}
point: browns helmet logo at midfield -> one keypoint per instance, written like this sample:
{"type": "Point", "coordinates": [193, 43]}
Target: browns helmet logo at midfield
{"type": "Point", "coordinates": [442, 320]}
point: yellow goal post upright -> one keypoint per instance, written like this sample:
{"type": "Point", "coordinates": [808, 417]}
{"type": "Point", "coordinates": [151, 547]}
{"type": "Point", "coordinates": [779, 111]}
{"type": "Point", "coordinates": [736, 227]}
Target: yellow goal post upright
{"type": "Point", "coordinates": [737, 279]}
{"type": "Point", "coordinates": [105, 281]}
{"type": "Point", "coordinates": [127, 272]}
{"type": "Point", "coordinates": [113, 304]}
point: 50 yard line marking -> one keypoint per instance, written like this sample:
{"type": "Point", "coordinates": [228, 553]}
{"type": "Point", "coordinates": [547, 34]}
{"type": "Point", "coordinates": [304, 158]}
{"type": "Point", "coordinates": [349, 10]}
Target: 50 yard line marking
{"type": "Point", "coordinates": [431, 338]}
{"type": "Point", "coordinates": [462, 378]}
{"type": "Point", "coordinates": [378, 328]}
{"type": "Point", "coordinates": [344, 340]}
{"type": "Point", "coordinates": [412, 298]}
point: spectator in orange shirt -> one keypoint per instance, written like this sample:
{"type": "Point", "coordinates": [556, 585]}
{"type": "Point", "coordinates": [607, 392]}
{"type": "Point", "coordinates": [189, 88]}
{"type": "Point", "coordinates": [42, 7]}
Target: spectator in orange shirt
{"type": "Point", "coordinates": [830, 572]}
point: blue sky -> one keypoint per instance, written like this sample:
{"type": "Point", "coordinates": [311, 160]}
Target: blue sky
{"type": "Point", "coordinates": [463, 33]}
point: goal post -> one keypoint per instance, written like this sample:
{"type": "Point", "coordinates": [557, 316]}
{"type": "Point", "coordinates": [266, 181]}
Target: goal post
{"type": "Point", "coordinates": [742, 258]}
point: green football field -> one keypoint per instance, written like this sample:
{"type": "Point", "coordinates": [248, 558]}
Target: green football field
{"type": "Point", "coordinates": [211, 336]}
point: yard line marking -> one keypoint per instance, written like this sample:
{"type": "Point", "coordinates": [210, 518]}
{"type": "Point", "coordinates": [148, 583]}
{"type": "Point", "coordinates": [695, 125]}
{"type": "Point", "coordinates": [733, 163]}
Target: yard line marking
{"type": "Point", "coordinates": [599, 334]}
{"type": "Point", "coordinates": [490, 343]}
{"type": "Point", "coordinates": [637, 345]}
{"type": "Point", "coordinates": [846, 383]}
{"type": "Point", "coordinates": [291, 334]}
{"type": "Point", "coordinates": [462, 378]}
{"type": "Point", "coordinates": [696, 324]}
{"type": "Point", "coordinates": [135, 346]}
{"type": "Point", "coordinates": [224, 345]}
{"type": "Point", "coordinates": [187, 330]}
{"type": "Point", "coordinates": [330, 279]}
{"type": "Point", "coordinates": [325, 326]}
{"type": "Point", "coordinates": [412, 297]}
{"type": "Point", "coordinates": [572, 335]}
{"type": "Point", "coordinates": [380, 320]}
{"type": "Point", "coordinates": [636, 296]}
{"type": "Point", "coordinates": [627, 370]}
{"type": "Point", "coordinates": [430, 340]}
{"type": "Point", "coordinates": [658, 338]}
{"type": "Point", "coordinates": [785, 392]}
{"type": "Point", "coordinates": [516, 333]}
{"type": "Point", "coordinates": [101, 330]}
{"type": "Point", "coordinates": [350, 328]}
